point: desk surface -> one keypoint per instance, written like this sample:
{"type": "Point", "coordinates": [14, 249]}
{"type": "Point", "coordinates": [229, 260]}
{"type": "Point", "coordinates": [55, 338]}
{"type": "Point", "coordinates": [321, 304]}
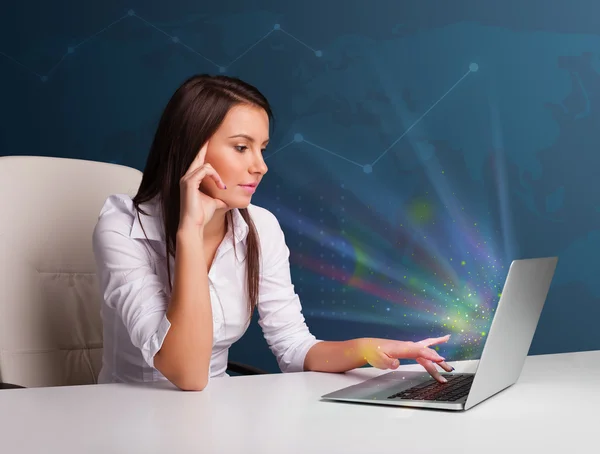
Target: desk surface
{"type": "Point", "coordinates": [552, 408]}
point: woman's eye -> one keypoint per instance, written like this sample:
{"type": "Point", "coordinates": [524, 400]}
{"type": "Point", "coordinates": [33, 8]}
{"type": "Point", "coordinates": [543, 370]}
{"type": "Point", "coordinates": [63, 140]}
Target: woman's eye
{"type": "Point", "coordinates": [241, 148]}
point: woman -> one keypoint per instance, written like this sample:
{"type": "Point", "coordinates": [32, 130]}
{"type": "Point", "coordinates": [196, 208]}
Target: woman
{"type": "Point", "coordinates": [183, 264]}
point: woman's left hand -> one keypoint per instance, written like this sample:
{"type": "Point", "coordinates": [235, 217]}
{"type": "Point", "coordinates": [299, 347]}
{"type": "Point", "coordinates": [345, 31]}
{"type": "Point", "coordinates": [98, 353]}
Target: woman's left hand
{"type": "Point", "coordinates": [385, 354]}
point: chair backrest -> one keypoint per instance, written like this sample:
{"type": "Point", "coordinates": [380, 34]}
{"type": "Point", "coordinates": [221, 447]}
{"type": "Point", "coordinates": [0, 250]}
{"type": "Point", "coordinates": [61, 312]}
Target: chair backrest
{"type": "Point", "coordinates": [50, 324]}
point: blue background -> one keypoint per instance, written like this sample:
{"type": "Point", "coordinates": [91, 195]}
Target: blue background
{"type": "Point", "coordinates": [418, 147]}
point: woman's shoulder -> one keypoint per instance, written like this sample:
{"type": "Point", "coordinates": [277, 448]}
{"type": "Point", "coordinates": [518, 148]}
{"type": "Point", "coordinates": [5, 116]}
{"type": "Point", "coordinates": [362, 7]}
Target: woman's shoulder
{"type": "Point", "coordinates": [117, 205]}
{"type": "Point", "coordinates": [272, 238]}
{"type": "Point", "coordinates": [264, 220]}
{"type": "Point", "coordinates": [117, 214]}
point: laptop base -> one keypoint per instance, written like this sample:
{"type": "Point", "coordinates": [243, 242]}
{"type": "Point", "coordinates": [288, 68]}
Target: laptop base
{"type": "Point", "coordinates": [377, 391]}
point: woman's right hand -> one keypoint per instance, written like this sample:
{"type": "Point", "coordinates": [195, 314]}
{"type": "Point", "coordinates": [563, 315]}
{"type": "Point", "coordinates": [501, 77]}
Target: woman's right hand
{"type": "Point", "coordinates": [197, 208]}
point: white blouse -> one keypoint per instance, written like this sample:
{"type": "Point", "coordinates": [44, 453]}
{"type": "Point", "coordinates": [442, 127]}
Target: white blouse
{"type": "Point", "coordinates": [132, 275]}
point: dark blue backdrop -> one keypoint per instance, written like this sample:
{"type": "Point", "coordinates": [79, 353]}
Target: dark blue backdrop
{"type": "Point", "coordinates": [418, 147]}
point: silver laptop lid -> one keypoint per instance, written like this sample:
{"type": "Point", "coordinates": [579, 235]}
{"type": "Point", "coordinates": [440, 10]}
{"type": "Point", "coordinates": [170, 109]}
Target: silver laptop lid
{"type": "Point", "coordinates": [513, 327]}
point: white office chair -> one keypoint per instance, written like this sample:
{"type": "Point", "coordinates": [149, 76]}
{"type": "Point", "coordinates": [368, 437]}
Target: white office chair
{"type": "Point", "coordinates": [50, 325]}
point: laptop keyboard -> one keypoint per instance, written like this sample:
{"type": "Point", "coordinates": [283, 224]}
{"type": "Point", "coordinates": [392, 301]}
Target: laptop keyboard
{"type": "Point", "coordinates": [457, 387]}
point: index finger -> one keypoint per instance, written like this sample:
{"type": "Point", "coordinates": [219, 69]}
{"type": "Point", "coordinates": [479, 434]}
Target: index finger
{"type": "Point", "coordinates": [199, 159]}
{"type": "Point", "coordinates": [434, 340]}
{"type": "Point", "coordinates": [413, 350]}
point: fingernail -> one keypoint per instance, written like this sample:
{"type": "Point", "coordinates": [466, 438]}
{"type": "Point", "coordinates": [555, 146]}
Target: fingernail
{"type": "Point", "coordinates": [452, 368]}
{"type": "Point", "coordinates": [224, 185]}
{"type": "Point", "coordinates": [444, 380]}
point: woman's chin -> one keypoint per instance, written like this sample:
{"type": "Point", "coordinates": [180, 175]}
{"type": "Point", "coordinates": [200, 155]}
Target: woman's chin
{"type": "Point", "coordinates": [237, 203]}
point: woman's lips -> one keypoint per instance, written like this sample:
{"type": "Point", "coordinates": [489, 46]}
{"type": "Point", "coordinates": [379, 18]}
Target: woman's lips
{"type": "Point", "coordinates": [248, 188]}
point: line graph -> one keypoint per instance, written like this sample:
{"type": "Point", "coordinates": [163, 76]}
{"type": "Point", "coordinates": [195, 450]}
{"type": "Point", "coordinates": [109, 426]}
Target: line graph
{"type": "Point", "coordinates": [368, 168]}
{"type": "Point", "coordinates": [298, 138]}
{"type": "Point", "coordinates": [131, 14]}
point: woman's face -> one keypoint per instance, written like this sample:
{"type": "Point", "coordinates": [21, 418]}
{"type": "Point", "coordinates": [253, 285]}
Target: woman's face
{"type": "Point", "coordinates": [236, 152]}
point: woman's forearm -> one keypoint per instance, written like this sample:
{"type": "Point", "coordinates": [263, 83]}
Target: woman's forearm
{"type": "Point", "coordinates": [339, 356]}
{"type": "Point", "coordinates": [184, 358]}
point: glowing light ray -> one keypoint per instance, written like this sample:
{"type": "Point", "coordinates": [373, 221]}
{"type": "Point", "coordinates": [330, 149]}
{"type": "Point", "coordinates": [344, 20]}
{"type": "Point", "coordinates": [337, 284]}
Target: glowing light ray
{"type": "Point", "coordinates": [393, 296]}
{"type": "Point", "coordinates": [363, 262]}
{"type": "Point", "coordinates": [442, 191]}
{"type": "Point", "coordinates": [433, 251]}
{"type": "Point", "coordinates": [460, 318]}
{"type": "Point", "coordinates": [413, 236]}
{"type": "Point", "coordinates": [501, 179]}
{"type": "Point", "coordinates": [465, 337]}
{"type": "Point", "coordinates": [333, 242]}
{"type": "Point", "coordinates": [415, 291]}
{"type": "Point", "coordinates": [362, 259]}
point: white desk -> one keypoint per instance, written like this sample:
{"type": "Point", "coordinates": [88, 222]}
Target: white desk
{"type": "Point", "coordinates": [553, 408]}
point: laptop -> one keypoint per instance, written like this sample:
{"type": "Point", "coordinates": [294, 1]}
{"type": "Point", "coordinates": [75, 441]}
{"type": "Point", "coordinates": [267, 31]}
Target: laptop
{"type": "Point", "coordinates": [509, 338]}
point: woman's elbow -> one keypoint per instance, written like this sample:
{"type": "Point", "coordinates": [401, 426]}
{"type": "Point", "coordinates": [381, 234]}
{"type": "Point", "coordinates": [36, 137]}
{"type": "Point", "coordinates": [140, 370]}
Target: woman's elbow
{"type": "Point", "coordinates": [185, 378]}
{"type": "Point", "coordinates": [192, 384]}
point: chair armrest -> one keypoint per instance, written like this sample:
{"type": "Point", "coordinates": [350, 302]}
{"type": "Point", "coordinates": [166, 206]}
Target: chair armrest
{"type": "Point", "coordinates": [244, 369]}
{"type": "Point", "coordinates": [10, 386]}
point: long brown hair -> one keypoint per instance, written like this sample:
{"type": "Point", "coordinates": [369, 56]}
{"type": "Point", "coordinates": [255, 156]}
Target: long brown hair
{"type": "Point", "coordinates": [191, 117]}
